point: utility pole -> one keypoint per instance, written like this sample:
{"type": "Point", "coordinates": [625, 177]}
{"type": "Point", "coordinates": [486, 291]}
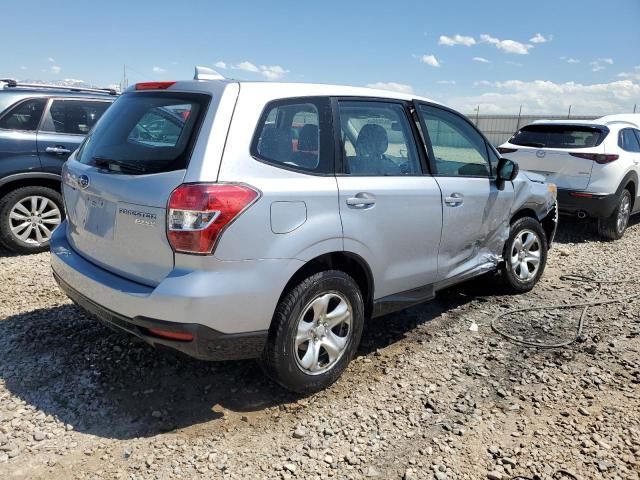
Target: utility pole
{"type": "Point", "coordinates": [519, 115]}
{"type": "Point", "coordinates": [569, 114]}
{"type": "Point", "coordinates": [634, 107]}
{"type": "Point", "coordinates": [477, 114]}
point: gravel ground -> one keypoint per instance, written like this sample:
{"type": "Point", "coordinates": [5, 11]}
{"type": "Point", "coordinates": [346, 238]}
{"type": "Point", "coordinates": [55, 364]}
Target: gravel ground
{"type": "Point", "coordinates": [427, 396]}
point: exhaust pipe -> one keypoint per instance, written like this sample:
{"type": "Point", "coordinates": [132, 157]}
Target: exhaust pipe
{"type": "Point", "coordinates": [582, 214]}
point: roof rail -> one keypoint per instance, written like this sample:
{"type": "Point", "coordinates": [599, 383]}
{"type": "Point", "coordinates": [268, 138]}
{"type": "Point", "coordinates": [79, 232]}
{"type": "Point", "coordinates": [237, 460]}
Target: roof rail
{"type": "Point", "coordinates": [14, 83]}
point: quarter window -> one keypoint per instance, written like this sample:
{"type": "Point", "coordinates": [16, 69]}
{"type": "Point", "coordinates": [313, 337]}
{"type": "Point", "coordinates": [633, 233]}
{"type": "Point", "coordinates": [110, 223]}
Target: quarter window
{"type": "Point", "coordinates": [72, 117]}
{"type": "Point", "coordinates": [25, 116]}
{"type": "Point", "coordinates": [292, 134]}
{"type": "Point", "coordinates": [628, 141]}
{"type": "Point", "coordinates": [459, 150]}
{"type": "Point", "coordinates": [377, 139]}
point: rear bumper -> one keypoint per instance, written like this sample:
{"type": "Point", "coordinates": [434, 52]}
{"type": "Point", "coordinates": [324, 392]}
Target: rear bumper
{"type": "Point", "coordinates": [207, 343]}
{"type": "Point", "coordinates": [227, 307]}
{"type": "Point", "coordinates": [596, 205]}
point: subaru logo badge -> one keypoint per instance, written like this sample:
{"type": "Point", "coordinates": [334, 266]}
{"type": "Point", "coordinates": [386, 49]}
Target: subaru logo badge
{"type": "Point", "coordinates": [540, 153]}
{"type": "Point", "coordinates": [83, 181]}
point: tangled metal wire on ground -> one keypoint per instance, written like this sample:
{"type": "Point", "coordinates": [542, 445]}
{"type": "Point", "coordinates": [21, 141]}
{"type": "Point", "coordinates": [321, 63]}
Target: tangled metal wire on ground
{"type": "Point", "coordinates": [584, 305]}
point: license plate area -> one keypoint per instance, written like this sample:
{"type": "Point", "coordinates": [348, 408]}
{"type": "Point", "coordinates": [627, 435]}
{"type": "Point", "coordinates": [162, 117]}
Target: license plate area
{"type": "Point", "coordinates": [96, 215]}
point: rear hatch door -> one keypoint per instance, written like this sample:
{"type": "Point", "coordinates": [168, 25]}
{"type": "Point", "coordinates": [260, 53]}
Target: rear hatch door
{"type": "Point", "coordinates": [547, 149]}
{"type": "Point", "coordinates": [117, 185]}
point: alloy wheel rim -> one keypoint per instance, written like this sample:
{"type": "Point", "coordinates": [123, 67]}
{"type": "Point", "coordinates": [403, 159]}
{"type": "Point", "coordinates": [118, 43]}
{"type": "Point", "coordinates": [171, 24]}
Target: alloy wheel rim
{"type": "Point", "coordinates": [32, 219]}
{"type": "Point", "coordinates": [624, 211]}
{"type": "Point", "coordinates": [323, 333]}
{"type": "Point", "coordinates": [525, 255]}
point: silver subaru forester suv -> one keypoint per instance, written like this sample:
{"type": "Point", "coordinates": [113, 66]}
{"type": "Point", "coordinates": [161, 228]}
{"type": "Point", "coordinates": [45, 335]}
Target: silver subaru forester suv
{"type": "Point", "coordinates": [232, 220]}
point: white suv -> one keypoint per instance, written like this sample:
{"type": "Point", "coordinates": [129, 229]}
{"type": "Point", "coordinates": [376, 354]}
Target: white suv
{"type": "Point", "coordinates": [234, 220]}
{"type": "Point", "coordinates": [595, 164]}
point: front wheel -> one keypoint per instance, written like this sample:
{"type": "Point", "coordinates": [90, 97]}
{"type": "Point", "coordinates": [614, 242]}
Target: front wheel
{"type": "Point", "coordinates": [614, 226]}
{"type": "Point", "coordinates": [315, 332]}
{"type": "Point", "coordinates": [525, 255]}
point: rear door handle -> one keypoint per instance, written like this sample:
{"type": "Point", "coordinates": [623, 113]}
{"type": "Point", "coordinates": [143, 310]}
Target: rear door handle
{"type": "Point", "coordinates": [361, 200]}
{"type": "Point", "coordinates": [454, 200]}
{"type": "Point", "coordinates": [58, 149]}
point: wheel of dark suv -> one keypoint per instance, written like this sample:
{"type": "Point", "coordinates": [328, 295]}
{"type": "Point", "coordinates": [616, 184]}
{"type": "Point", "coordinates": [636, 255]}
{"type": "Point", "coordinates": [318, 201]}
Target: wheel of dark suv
{"type": "Point", "coordinates": [614, 226]}
{"type": "Point", "coordinates": [315, 332]}
{"type": "Point", "coordinates": [28, 216]}
{"type": "Point", "coordinates": [525, 255]}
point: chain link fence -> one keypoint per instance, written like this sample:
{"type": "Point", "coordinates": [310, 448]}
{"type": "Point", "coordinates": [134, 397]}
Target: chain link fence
{"type": "Point", "coordinates": [499, 128]}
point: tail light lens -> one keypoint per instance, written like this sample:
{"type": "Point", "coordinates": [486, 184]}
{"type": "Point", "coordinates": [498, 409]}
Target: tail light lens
{"type": "Point", "coordinates": [600, 158]}
{"type": "Point", "coordinates": [199, 213]}
{"type": "Point", "coordinates": [507, 150]}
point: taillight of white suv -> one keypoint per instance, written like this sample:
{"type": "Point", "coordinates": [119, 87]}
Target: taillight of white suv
{"type": "Point", "coordinates": [199, 213]}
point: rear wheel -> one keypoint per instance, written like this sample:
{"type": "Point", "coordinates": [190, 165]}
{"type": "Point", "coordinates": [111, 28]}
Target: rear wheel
{"type": "Point", "coordinates": [28, 216]}
{"type": "Point", "coordinates": [315, 332]}
{"type": "Point", "coordinates": [614, 226]}
{"type": "Point", "coordinates": [525, 255]}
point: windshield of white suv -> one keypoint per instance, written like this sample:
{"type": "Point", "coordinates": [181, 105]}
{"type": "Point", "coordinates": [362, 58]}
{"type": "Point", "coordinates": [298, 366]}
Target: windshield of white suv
{"type": "Point", "coordinates": [559, 136]}
{"type": "Point", "coordinates": [145, 133]}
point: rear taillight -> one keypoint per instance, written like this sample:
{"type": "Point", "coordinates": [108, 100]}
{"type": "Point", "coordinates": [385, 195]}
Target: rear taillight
{"type": "Point", "coordinates": [507, 150]}
{"type": "Point", "coordinates": [601, 158]}
{"type": "Point", "coordinates": [153, 85]}
{"type": "Point", "coordinates": [171, 335]}
{"type": "Point", "coordinates": [199, 213]}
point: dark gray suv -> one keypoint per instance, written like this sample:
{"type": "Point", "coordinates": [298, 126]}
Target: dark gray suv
{"type": "Point", "coordinates": [40, 125]}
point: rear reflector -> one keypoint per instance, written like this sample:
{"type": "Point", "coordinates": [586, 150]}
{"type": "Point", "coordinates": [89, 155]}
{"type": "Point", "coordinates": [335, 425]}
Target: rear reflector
{"type": "Point", "coordinates": [600, 158]}
{"type": "Point", "coordinates": [153, 85]}
{"type": "Point", "coordinates": [169, 335]}
{"type": "Point", "coordinates": [507, 150]}
{"type": "Point", "coordinates": [582, 195]}
{"type": "Point", "coordinates": [199, 213]}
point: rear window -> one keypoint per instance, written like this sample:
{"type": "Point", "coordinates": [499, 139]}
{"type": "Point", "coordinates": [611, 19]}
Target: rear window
{"type": "Point", "coordinates": [145, 133]}
{"type": "Point", "coordinates": [559, 136]}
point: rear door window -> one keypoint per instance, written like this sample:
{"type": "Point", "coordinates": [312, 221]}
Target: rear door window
{"type": "Point", "coordinates": [73, 117]}
{"type": "Point", "coordinates": [628, 141]}
{"type": "Point", "coordinates": [559, 136]}
{"type": "Point", "coordinates": [377, 139]}
{"type": "Point", "coordinates": [146, 133]}
{"type": "Point", "coordinates": [24, 116]}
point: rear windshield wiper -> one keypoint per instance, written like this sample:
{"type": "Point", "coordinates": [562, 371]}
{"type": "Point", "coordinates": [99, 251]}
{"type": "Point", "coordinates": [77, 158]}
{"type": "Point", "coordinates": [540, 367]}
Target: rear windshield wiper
{"type": "Point", "coordinates": [117, 165]}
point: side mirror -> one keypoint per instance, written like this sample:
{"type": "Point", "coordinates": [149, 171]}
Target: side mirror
{"type": "Point", "coordinates": [507, 170]}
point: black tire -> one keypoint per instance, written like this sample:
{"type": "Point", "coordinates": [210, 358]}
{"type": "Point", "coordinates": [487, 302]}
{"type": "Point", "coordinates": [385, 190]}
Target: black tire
{"type": "Point", "coordinates": [510, 275]}
{"type": "Point", "coordinates": [279, 357]}
{"type": "Point", "coordinates": [7, 238]}
{"type": "Point", "coordinates": [609, 228]}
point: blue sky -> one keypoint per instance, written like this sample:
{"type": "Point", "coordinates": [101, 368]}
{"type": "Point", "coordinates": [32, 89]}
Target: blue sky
{"type": "Point", "coordinates": [499, 54]}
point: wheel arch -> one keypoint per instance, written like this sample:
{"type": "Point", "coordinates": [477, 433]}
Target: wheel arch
{"type": "Point", "coordinates": [548, 222]}
{"type": "Point", "coordinates": [630, 182]}
{"type": "Point", "coordinates": [350, 263]}
{"type": "Point", "coordinates": [42, 179]}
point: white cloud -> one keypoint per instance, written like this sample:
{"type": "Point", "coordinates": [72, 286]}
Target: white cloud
{"type": "Point", "coordinates": [273, 72]}
{"type": "Point", "coordinates": [429, 60]}
{"type": "Point", "coordinates": [634, 75]}
{"type": "Point", "coordinates": [447, 82]}
{"type": "Point", "coordinates": [73, 80]}
{"type": "Point", "coordinates": [55, 69]}
{"type": "Point", "coordinates": [539, 38]}
{"type": "Point", "coordinates": [158, 70]}
{"type": "Point", "coordinates": [22, 67]}
{"type": "Point", "coordinates": [572, 60]}
{"type": "Point", "coordinates": [456, 40]}
{"type": "Point", "coordinates": [247, 67]}
{"type": "Point", "coordinates": [507, 46]}
{"type": "Point", "coordinates": [51, 60]}
{"type": "Point", "coordinates": [270, 72]}
{"type": "Point", "coordinates": [393, 86]}
{"type": "Point", "coordinates": [480, 60]}
{"type": "Point", "coordinates": [600, 64]}
{"type": "Point", "coordinates": [220, 64]}
{"type": "Point", "coordinates": [546, 97]}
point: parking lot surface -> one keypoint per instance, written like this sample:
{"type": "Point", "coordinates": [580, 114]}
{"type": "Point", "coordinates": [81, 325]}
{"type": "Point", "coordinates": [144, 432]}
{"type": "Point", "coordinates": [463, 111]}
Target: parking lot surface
{"type": "Point", "coordinates": [426, 398]}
